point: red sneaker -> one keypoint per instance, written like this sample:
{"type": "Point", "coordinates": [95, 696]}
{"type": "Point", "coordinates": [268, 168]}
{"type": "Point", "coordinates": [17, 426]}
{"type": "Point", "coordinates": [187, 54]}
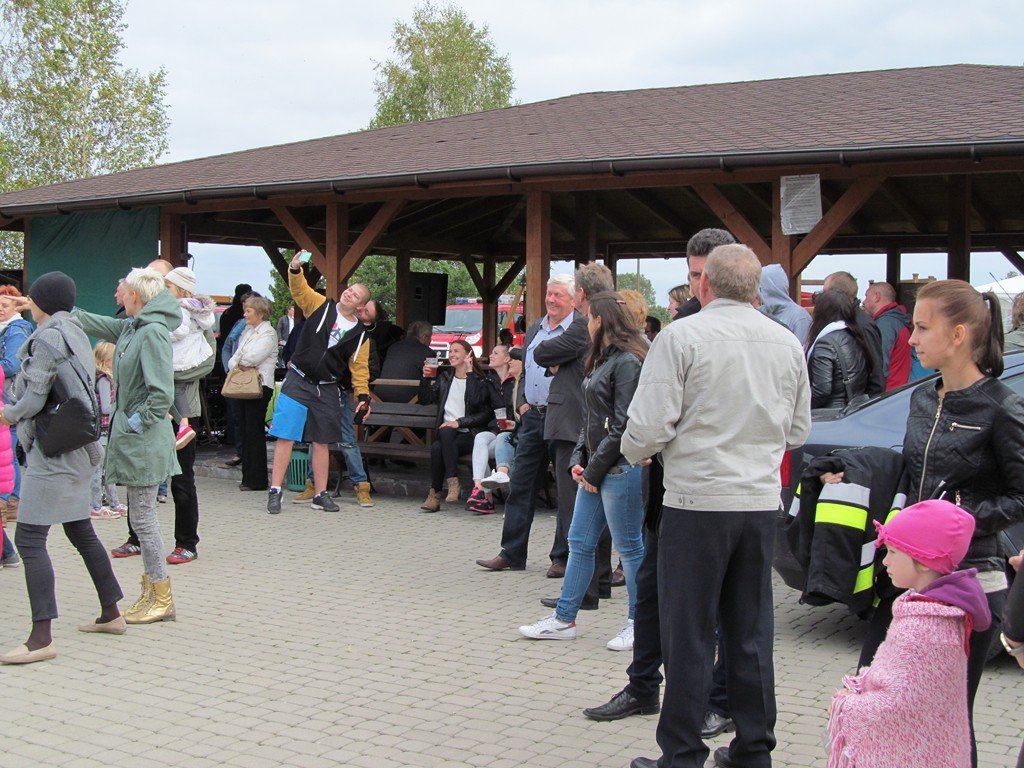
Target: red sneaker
{"type": "Point", "coordinates": [185, 436]}
{"type": "Point", "coordinates": [181, 555]}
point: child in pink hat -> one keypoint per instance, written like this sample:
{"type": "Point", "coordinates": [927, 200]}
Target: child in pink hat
{"type": "Point", "coordinates": [910, 706]}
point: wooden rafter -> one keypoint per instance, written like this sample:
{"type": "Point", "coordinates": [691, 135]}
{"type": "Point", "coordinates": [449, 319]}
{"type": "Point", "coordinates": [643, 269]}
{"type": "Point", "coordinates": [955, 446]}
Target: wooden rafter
{"type": "Point", "coordinates": [371, 233]}
{"type": "Point", "coordinates": [829, 194]}
{"type": "Point", "coordinates": [905, 206]}
{"type": "Point", "coordinates": [474, 274]}
{"type": "Point", "coordinates": [658, 209]}
{"type": "Point", "coordinates": [848, 204]}
{"type": "Point", "coordinates": [300, 234]}
{"type": "Point", "coordinates": [1015, 259]}
{"type": "Point", "coordinates": [506, 280]}
{"type": "Point", "coordinates": [733, 220]}
{"type": "Point", "coordinates": [276, 259]}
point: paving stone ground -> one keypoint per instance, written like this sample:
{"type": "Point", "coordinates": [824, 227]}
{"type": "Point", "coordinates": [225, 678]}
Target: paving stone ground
{"type": "Point", "coordinates": [369, 638]}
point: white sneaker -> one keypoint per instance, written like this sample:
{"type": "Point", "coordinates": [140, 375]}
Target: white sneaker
{"type": "Point", "coordinates": [624, 640]}
{"type": "Point", "coordinates": [549, 628]}
{"type": "Point", "coordinates": [497, 481]}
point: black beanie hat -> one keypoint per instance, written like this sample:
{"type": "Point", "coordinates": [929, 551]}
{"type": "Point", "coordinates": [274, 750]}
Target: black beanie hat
{"type": "Point", "coordinates": [53, 292]}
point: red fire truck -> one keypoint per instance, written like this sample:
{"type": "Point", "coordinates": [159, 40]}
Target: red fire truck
{"type": "Point", "coordinates": [465, 320]}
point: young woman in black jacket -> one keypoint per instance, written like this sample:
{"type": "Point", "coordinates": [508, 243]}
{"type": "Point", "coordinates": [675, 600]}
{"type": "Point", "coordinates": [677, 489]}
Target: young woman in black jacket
{"type": "Point", "coordinates": [463, 394]}
{"type": "Point", "coordinates": [964, 441]}
{"type": "Point", "coordinates": [839, 357]}
{"type": "Point", "coordinates": [610, 490]}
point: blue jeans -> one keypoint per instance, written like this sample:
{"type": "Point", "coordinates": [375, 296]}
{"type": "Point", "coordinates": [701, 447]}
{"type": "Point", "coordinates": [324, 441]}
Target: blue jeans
{"type": "Point", "coordinates": [8, 548]}
{"type": "Point", "coordinates": [504, 451]}
{"type": "Point", "coordinates": [16, 493]}
{"type": "Point", "coordinates": [618, 504]}
{"type": "Point", "coordinates": [349, 446]}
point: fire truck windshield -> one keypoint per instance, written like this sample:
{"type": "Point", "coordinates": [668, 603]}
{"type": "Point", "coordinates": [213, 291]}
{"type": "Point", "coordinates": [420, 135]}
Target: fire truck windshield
{"type": "Point", "coordinates": [459, 320]}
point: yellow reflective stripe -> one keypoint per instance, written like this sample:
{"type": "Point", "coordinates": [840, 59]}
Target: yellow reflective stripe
{"type": "Point", "coordinates": [891, 515]}
{"type": "Point", "coordinates": [841, 514]}
{"type": "Point", "coordinates": [799, 486]}
{"type": "Point", "coordinates": [865, 578]}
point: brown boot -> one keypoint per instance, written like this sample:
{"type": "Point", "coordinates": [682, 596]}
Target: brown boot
{"type": "Point", "coordinates": [454, 490]}
{"type": "Point", "coordinates": [363, 495]}
{"type": "Point", "coordinates": [306, 496]}
{"type": "Point", "coordinates": [433, 502]}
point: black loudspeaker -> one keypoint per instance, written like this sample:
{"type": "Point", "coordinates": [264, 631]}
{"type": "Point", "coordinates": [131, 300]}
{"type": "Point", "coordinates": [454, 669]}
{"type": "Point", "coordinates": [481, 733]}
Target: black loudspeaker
{"type": "Point", "coordinates": [426, 297]}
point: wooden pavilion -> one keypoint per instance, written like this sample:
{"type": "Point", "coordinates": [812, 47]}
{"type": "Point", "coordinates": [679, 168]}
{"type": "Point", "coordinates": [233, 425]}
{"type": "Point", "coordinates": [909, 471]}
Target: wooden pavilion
{"type": "Point", "coordinates": [912, 160]}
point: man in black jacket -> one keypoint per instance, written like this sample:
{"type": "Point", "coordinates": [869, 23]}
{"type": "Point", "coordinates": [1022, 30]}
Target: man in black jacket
{"type": "Point", "coordinates": [405, 361]}
{"type": "Point", "coordinates": [550, 404]}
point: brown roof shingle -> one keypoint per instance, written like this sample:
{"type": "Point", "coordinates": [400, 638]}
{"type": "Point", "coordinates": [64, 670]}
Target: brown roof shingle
{"type": "Point", "coordinates": [944, 105]}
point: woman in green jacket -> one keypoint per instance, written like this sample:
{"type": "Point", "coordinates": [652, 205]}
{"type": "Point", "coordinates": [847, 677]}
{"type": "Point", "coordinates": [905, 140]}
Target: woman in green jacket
{"type": "Point", "coordinates": [140, 451]}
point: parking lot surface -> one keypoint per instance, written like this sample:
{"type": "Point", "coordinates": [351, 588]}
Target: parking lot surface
{"type": "Point", "coordinates": [370, 638]}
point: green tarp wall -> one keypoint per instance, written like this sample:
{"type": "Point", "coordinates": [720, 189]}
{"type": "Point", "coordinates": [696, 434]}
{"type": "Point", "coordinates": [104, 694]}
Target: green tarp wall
{"type": "Point", "coordinates": [95, 249]}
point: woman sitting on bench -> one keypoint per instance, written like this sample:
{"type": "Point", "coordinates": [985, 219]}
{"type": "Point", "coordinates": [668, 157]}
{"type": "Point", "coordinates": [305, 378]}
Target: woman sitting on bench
{"type": "Point", "coordinates": [464, 396]}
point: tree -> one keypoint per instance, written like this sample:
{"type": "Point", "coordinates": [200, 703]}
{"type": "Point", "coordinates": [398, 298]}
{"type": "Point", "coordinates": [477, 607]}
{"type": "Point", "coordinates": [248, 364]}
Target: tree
{"type": "Point", "coordinates": [68, 107]}
{"type": "Point", "coordinates": [443, 65]}
{"type": "Point", "coordinates": [628, 280]}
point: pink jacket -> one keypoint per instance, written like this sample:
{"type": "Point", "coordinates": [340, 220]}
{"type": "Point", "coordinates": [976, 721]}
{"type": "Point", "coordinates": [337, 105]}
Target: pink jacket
{"type": "Point", "coordinates": [909, 708]}
{"type": "Point", "coordinates": [6, 453]}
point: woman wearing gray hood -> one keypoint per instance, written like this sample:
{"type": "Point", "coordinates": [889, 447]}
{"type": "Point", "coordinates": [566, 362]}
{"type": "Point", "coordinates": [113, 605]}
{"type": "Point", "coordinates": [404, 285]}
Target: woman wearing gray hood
{"type": "Point", "coordinates": [776, 303]}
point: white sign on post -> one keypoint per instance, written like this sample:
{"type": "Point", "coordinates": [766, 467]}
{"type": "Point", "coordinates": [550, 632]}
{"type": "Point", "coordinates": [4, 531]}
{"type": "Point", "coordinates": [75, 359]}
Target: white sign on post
{"type": "Point", "coordinates": [801, 203]}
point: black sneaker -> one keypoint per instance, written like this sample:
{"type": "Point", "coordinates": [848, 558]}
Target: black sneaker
{"type": "Point", "coordinates": [274, 502]}
{"type": "Point", "coordinates": [323, 501]}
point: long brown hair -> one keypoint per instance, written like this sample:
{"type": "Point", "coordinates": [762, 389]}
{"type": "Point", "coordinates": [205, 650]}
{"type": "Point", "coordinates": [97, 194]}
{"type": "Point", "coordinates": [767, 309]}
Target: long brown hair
{"type": "Point", "coordinates": [961, 304]}
{"type": "Point", "coordinates": [617, 329]}
{"type": "Point", "coordinates": [833, 305]}
{"type": "Point", "coordinates": [477, 368]}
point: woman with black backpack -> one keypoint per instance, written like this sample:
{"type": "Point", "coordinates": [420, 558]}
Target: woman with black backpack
{"type": "Point", "coordinates": [57, 478]}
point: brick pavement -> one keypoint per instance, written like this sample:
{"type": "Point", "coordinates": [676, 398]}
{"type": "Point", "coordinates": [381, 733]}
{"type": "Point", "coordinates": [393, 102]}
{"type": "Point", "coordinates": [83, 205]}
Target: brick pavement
{"type": "Point", "coordinates": [368, 638]}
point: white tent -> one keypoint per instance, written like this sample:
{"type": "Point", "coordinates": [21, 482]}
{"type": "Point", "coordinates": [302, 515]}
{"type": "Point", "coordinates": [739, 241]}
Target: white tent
{"type": "Point", "coordinates": [1006, 289]}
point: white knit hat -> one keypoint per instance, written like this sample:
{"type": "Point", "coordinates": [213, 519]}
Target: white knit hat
{"type": "Point", "coordinates": [183, 277]}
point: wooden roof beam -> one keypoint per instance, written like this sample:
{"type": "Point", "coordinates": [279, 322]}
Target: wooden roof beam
{"type": "Point", "coordinates": [829, 194]}
{"type": "Point", "coordinates": [367, 238]}
{"type": "Point", "coordinates": [734, 221]}
{"type": "Point", "coordinates": [510, 274]}
{"type": "Point", "coordinates": [1015, 259]}
{"type": "Point", "coordinates": [300, 235]}
{"type": "Point", "coordinates": [848, 204]}
{"type": "Point", "coordinates": [659, 210]}
{"type": "Point", "coordinates": [905, 206]}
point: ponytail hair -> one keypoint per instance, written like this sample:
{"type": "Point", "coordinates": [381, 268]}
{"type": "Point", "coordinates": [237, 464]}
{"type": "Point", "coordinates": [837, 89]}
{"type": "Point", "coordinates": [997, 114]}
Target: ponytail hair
{"type": "Point", "coordinates": [960, 304]}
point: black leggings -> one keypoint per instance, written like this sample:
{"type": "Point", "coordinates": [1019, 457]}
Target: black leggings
{"type": "Point", "coordinates": [31, 541]}
{"type": "Point", "coordinates": [444, 454]}
{"type": "Point", "coordinates": [980, 643]}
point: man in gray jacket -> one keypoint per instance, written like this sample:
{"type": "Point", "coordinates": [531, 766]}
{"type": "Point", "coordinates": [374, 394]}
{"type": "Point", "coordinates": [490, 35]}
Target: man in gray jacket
{"type": "Point", "coordinates": [721, 396]}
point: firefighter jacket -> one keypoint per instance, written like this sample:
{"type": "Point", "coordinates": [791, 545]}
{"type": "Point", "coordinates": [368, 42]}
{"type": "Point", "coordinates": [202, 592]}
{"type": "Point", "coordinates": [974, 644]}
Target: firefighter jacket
{"type": "Point", "coordinates": [830, 527]}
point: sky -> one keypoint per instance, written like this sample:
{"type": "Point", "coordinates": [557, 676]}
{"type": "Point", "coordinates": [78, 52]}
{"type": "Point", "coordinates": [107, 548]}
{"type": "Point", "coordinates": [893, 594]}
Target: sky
{"type": "Point", "coordinates": [254, 73]}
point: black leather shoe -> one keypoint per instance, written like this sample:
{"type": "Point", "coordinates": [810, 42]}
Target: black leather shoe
{"type": "Point", "coordinates": [722, 759]}
{"type": "Point", "coordinates": [586, 605]}
{"type": "Point", "coordinates": [618, 577]}
{"type": "Point", "coordinates": [604, 592]}
{"type": "Point", "coordinates": [715, 724]}
{"type": "Point", "coordinates": [623, 704]}
{"type": "Point", "coordinates": [644, 762]}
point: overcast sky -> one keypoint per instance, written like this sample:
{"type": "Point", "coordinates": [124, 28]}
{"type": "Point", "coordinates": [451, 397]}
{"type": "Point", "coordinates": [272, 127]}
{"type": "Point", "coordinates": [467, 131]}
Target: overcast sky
{"type": "Point", "coordinates": [253, 73]}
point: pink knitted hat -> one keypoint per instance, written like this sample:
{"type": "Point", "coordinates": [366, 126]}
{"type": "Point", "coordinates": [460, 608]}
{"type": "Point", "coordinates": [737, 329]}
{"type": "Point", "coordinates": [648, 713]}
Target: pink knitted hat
{"type": "Point", "coordinates": [936, 533]}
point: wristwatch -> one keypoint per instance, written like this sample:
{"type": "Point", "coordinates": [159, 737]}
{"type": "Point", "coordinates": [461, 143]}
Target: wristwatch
{"type": "Point", "coordinates": [1013, 650]}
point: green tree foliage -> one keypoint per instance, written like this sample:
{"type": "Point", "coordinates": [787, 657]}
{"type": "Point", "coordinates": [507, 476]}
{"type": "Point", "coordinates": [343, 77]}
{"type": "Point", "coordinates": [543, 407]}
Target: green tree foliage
{"type": "Point", "coordinates": [68, 107]}
{"type": "Point", "coordinates": [628, 280]}
{"type": "Point", "coordinates": [442, 65]}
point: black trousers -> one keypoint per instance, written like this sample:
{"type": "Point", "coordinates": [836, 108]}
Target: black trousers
{"type": "Point", "coordinates": [645, 670]}
{"type": "Point", "coordinates": [254, 442]}
{"type": "Point", "coordinates": [714, 568]}
{"type": "Point", "coordinates": [445, 451]}
{"type": "Point", "coordinates": [39, 578]}
{"type": "Point", "coordinates": [980, 643]}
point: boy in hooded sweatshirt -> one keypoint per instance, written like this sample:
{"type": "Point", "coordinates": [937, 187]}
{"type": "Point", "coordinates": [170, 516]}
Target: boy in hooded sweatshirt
{"type": "Point", "coordinates": [910, 706]}
{"type": "Point", "coordinates": [777, 304]}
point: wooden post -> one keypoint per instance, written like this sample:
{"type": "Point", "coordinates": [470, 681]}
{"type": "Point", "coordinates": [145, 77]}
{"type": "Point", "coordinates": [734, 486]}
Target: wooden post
{"type": "Point", "coordinates": [585, 230]}
{"type": "Point", "coordinates": [958, 256]}
{"type": "Point", "coordinates": [892, 266]}
{"type": "Point", "coordinates": [172, 239]}
{"type": "Point", "coordinates": [334, 249]}
{"type": "Point", "coordinates": [612, 263]}
{"type": "Point", "coordinates": [538, 251]}
{"type": "Point", "coordinates": [490, 297]}
{"type": "Point", "coordinates": [782, 244]}
{"type": "Point", "coordinates": [401, 287]}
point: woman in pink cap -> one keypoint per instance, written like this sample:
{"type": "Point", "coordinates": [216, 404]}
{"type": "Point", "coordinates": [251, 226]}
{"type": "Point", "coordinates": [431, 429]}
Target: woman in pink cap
{"type": "Point", "coordinates": [916, 682]}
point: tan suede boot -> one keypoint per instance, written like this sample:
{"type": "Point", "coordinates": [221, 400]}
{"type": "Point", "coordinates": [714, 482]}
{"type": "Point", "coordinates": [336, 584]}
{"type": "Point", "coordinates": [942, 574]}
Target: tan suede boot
{"type": "Point", "coordinates": [454, 490]}
{"type": "Point", "coordinates": [433, 502]}
{"type": "Point", "coordinates": [306, 496]}
{"type": "Point", "coordinates": [161, 607]}
{"type": "Point", "coordinates": [363, 495]}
